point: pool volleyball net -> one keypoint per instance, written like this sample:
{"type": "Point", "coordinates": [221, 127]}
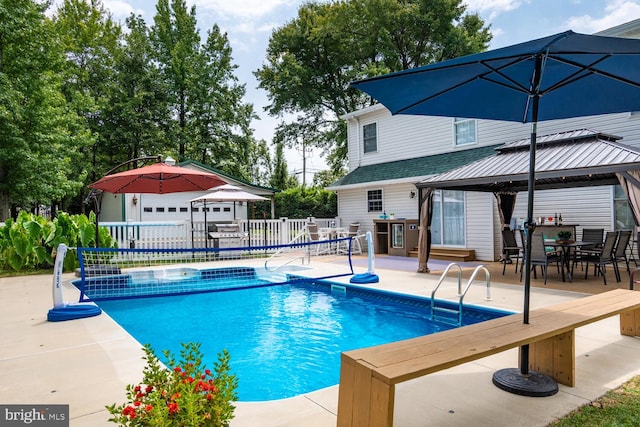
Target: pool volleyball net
{"type": "Point", "coordinates": [108, 273]}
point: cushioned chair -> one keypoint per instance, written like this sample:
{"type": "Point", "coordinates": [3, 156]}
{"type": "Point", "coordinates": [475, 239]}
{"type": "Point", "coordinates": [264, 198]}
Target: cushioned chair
{"type": "Point", "coordinates": [510, 249]}
{"type": "Point", "coordinates": [601, 258]}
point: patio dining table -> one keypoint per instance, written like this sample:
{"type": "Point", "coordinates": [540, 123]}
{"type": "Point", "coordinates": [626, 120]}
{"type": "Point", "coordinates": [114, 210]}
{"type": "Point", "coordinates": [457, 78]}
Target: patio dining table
{"type": "Point", "coordinates": [333, 233]}
{"type": "Point", "coordinates": [566, 247]}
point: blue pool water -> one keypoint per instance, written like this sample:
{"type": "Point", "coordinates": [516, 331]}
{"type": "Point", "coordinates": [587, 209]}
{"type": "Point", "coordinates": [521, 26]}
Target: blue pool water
{"type": "Point", "coordinates": [284, 340]}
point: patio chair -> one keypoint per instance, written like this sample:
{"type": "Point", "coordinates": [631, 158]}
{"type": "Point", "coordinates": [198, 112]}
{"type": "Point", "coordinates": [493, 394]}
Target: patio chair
{"type": "Point", "coordinates": [314, 236]}
{"type": "Point", "coordinates": [620, 252]}
{"type": "Point", "coordinates": [594, 235]}
{"type": "Point", "coordinates": [352, 231]}
{"type": "Point", "coordinates": [541, 257]}
{"type": "Point", "coordinates": [601, 258]}
{"type": "Point", "coordinates": [510, 249]}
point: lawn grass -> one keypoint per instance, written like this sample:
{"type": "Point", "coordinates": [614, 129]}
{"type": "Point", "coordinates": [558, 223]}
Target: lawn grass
{"type": "Point", "coordinates": [618, 407]}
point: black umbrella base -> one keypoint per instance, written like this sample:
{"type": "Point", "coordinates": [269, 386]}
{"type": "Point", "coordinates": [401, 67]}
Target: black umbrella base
{"type": "Point", "coordinates": [533, 384]}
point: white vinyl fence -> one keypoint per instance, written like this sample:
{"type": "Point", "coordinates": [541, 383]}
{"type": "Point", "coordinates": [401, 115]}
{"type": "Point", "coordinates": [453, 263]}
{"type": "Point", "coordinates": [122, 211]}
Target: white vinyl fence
{"type": "Point", "coordinates": [184, 234]}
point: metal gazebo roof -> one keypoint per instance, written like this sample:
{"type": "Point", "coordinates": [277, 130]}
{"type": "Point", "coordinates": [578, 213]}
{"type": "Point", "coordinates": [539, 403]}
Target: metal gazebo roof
{"type": "Point", "coordinates": [578, 158]}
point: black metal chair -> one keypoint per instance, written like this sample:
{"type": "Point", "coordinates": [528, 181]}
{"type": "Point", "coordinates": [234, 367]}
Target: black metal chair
{"type": "Point", "coordinates": [595, 236]}
{"type": "Point", "coordinates": [620, 252]}
{"type": "Point", "coordinates": [541, 257]}
{"type": "Point", "coordinates": [601, 258]}
{"type": "Point", "coordinates": [510, 249]}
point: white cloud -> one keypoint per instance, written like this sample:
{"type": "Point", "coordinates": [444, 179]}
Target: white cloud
{"type": "Point", "coordinates": [243, 8]}
{"type": "Point", "coordinates": [616, 12]}
{"type": "Point", "coordinates": [120, 9]}
{"type": "Point", "coordinates": [492, 8]}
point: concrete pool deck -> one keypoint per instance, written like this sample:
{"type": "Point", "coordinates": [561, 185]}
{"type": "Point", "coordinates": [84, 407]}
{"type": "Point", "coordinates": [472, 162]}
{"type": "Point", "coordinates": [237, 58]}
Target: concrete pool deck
{"type": "Point", "coordinates": [87, 364]}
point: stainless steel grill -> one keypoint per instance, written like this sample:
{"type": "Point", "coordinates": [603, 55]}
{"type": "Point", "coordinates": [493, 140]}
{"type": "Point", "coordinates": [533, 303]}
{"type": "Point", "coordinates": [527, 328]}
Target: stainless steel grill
{"type": "Point", "coordinates": [225, 235]}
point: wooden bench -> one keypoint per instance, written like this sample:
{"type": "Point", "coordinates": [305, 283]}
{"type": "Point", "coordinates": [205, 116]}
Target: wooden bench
{"type": "Point", "coordinates": [368, 376]}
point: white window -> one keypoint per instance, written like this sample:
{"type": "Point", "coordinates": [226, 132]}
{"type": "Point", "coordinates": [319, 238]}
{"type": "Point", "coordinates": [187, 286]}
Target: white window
{"type": "Point", "coordinates": [370, 137]}
{"type": "Point", "coordinates": [447, 221]}
{"type": "Point", "coordinates": [374, 201]}
{"type": "Point", "coordinates": [465, 131]}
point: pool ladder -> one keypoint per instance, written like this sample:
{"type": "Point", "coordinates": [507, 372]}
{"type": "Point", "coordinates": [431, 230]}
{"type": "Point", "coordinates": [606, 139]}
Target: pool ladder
{"type": "Point", "coordinates": [445, 313]}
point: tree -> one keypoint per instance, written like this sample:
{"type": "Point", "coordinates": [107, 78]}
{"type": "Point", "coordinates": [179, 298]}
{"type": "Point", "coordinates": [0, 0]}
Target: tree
{"type": "Point", "coordinates": [90, 39]}
{"type": "Point", "coordinates": [40, 135]}
{"type": "Point", "coordinates": [280, 176]}
{"type": "Point", "coordinates": [175, 40]}
{"type": "Point", "coordinates": [210, 121]}
{"type": "Point", "coordinates": [312, 59]}
{"type": "Point", "coordinates": [137, 109]}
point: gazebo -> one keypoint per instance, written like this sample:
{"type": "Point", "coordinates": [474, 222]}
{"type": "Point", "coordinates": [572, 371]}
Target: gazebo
{"type": "Point", "coordinates": [578, 158]}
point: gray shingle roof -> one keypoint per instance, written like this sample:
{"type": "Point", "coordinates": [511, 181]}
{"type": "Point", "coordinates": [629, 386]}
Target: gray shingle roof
{"type": "Point", "coordinates": [417, 167]}
{"type": "Point", "coordinates": [569, 159]}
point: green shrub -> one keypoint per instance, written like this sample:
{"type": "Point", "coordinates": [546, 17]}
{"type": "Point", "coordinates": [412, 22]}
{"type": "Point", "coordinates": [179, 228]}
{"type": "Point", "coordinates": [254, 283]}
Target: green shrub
{"type": "Point", "coordinates": [30, 241]}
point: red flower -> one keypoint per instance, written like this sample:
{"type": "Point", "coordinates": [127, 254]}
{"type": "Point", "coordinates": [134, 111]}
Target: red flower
{"type": "Point", "coordinates": [177, 369]}
{"type": "Point", "coordinates": [149, 389]}
{"type": "Point", "coordinates": [137, 388]}
{"type": "Point", "coordinates": [129, 411]}
{"type": "Point", "coordinates": [137, 403]}
{"type": "Point", "coordinates": [207, 371]}
{"type": "Point", "coordinates": [209, 396]}
{"type": "Point", "coordinates": [175, 396]}
{"type": "Point", "coordinates": [173, 407]}
{"type": "Point", "coordinates": [148, 408]}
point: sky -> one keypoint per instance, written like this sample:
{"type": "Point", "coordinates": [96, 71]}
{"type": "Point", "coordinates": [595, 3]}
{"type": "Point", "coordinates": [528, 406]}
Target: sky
{"type": "Point", "coordinates": [249, 24]}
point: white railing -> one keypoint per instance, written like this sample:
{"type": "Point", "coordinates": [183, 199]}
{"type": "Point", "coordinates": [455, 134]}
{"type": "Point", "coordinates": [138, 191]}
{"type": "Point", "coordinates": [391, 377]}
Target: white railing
{"type": "Point", "coordinates": [184, 234]}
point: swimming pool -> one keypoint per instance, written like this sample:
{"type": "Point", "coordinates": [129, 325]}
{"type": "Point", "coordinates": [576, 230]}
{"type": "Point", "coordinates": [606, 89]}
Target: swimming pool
{"type": "Point", "coordinates": [284, 340]}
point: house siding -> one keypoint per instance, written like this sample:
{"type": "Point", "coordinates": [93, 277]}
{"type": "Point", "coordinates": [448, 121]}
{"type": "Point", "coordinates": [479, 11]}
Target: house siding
{"type": "Point", "coordinates": [404, 137]}
{"type": "Point", "coordinates": [480, 224]}
{"type": "Point", "coordinates": [352, 205]}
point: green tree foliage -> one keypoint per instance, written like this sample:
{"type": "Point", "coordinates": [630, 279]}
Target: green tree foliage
{"type": "Point", "coordinates": [39, 135]}
{"type": "Point", "coordinates": [312, 59]}
{"type": "Point", "coordinates": [280, 175]}
{"type": "Point", "coordinates": [211, 123]}
{"type": "Point", "coordinates": [137, 110]}
{"type": "Point", "coordinates": [304, 202]}
{"type": "Point", "coordinates": [90, 39]}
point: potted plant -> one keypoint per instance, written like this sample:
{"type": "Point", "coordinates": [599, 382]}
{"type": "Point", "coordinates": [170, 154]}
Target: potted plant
{"type": "Point", "coordinates": [564, 235]}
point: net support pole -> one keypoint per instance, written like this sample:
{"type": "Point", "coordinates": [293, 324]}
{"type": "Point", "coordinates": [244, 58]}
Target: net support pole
{"type": "Point", "coordinates": [369, 276]}
{"type": "Point", "coordinates": [62, 310]}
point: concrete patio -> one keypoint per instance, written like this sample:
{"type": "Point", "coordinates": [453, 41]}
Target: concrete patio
{"type": "Point", "coordinates": [87, 363]}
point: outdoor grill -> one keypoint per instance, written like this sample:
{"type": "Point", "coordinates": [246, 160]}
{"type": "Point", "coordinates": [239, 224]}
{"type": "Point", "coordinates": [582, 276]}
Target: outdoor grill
{"type": "Point", "coordinates": [225, 235]}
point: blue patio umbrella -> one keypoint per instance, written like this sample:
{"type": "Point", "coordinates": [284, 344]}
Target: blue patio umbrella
{"type": "Point", "coordinates": [556, 77]}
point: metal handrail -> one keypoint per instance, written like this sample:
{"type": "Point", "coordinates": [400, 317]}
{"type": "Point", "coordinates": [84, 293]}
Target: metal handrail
{"type": "Point", "coordinates": [297, 238]}
{"type": "Point", "coordinates": [461, 293]}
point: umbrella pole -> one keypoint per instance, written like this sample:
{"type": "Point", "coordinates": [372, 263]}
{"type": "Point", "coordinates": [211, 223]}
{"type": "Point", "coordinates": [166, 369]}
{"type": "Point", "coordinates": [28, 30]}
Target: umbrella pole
{"type": "Point", "coordinates": [522, 381]}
